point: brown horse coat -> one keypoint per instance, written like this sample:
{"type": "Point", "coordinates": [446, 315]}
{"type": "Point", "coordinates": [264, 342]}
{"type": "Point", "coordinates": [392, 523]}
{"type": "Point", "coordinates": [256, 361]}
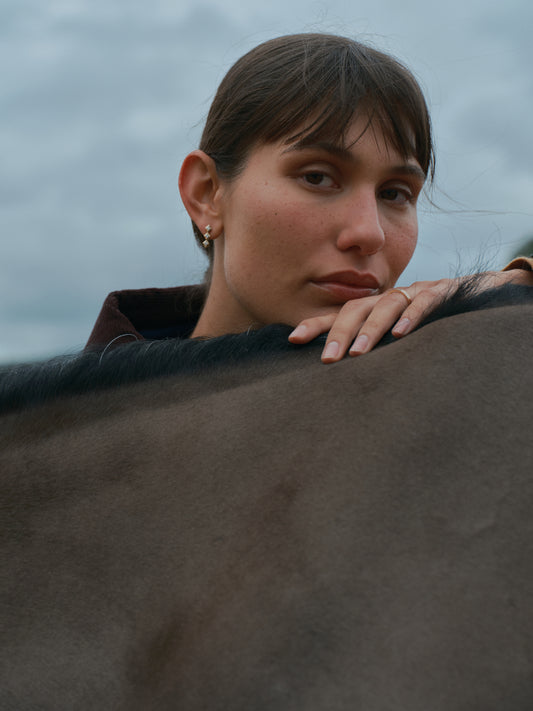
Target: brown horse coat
{"type": "Point", "coordinates": [281, 535]}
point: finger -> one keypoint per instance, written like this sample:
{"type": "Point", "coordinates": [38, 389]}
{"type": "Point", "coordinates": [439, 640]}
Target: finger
{"type": "Point", "coordinates": [310, 328]}
{"type": "Point", "coordinates": [382, 317]}
{"type": "Point", "coordinates": [347, 324]}
{"type": "Point", "coordinates": [424, 303]}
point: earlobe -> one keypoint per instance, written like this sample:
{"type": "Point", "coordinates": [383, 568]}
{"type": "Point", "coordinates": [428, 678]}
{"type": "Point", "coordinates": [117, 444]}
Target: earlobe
{"type": "Point", "coordinates": [199, 187]}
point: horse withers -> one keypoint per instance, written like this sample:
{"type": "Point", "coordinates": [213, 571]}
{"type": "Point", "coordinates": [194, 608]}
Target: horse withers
{"type": "Point", "coordinates": [237, 526]}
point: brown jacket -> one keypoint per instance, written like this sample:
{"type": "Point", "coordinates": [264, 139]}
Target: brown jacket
{"type": "Point", "coordinates": [147, 314]}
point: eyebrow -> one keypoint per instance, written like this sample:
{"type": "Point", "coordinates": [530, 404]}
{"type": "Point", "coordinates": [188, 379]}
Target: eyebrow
{"type": "Point", "coordinates": [346, 155]}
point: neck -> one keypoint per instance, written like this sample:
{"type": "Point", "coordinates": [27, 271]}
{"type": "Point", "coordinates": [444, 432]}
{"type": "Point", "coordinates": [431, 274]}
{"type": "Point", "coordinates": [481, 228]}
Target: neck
{"type": "Point", "coordinates": [221, 314]}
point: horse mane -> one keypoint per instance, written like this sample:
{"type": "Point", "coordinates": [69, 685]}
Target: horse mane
{"type": "Point", "coordinates": [31, 384]}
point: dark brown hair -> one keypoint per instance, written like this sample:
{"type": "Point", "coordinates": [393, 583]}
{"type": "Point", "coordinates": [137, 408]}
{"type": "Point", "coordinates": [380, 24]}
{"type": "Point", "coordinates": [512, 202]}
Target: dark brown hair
{"type": "Point", "coordinates": [308, 87]}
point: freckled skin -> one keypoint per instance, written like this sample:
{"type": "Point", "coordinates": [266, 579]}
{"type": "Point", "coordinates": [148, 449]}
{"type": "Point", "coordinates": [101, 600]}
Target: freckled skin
{"type": "Point", "coordinates": [295, 215]}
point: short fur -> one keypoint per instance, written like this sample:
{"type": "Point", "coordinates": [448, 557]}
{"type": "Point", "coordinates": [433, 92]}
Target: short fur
{"type": "Point", "coordinates": [275, 534]}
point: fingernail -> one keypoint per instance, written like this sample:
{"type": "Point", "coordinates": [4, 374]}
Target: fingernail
{"type": "Point", "coordinates": [403, 325]}
{"type": "Point", "coordinates": [360, 344]}
{"type": "Point", "coordinates": [299, 332]}
{"type": "Point", "coordinates": [331, 350]}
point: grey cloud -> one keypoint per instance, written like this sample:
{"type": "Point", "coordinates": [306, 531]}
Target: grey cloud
{"type": "Point", "coordinates": [99, 103]}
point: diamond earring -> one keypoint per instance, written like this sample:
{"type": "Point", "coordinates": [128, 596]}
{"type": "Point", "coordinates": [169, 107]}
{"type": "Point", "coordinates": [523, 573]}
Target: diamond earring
{"type": "Point", "coordinates": [207, 237]}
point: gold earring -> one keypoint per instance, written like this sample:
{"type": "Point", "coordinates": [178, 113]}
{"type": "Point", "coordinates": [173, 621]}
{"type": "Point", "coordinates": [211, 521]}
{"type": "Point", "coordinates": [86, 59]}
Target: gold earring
{"type": "Point", "coordinates": [207, 237]}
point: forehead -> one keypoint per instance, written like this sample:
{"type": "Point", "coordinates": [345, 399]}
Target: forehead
{"type": "Point", "coordinates": [363, 132]}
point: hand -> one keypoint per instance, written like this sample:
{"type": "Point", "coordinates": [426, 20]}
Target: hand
{"type": "Point", "coordinates": [361, 323]}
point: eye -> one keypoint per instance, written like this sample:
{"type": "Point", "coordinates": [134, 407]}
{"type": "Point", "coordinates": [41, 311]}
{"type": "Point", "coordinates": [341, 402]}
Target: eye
{"type": "Point", "coordinates": [397, 195]}
{"type": "Point", "coordinates": [318, 179]}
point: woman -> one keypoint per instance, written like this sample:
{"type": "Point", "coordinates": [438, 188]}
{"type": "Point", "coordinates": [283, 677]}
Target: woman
{"type": "Point", "coordinates": [303, 193]}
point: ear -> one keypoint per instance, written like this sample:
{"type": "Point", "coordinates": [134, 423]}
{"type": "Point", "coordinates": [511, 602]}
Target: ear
{"type": "Point", "coordinates": [200, 191]}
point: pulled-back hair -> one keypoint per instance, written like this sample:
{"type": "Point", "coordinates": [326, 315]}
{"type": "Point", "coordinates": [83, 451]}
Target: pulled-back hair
{"type": "Point", "coordinates": [308, 87]}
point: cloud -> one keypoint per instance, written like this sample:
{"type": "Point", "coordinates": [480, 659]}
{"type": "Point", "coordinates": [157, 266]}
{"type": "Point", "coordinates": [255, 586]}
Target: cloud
{"type": "Point", "coordinates": [100, 101]}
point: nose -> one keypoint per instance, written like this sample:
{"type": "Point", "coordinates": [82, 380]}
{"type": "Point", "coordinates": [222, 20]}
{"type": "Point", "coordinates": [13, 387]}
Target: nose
{"type": "Point", "coordinates": [362, 228]}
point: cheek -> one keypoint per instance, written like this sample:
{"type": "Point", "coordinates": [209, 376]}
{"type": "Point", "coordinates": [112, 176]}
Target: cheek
{"type": "Point", "coordinates": [402, 247]}
{"type": "Point", "coordinates": [408, 248]}
{"type": "Point", "coordinates": [271, 225]}
{"type": "Point", "coordinates": [256, 240]}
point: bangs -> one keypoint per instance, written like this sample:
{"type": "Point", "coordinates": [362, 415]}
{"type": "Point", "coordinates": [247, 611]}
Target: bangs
{"type": "Point", "coordinates": [312, 86]}
{"type": "Point", "coordinates": [348, 87]}
{"type": "Point", "coordinates": [398, 128]}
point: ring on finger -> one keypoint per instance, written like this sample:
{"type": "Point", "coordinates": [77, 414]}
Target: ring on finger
{"type": "Point", "coordinates": [403, 292]}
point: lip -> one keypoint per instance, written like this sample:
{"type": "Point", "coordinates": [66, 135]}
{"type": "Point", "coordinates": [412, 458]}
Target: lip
{"type": "Point", "coordinates": [347, 285]}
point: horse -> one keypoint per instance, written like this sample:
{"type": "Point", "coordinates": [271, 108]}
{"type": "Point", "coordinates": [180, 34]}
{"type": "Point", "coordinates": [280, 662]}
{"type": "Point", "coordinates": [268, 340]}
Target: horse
{"type": "Point", "coordinates": [231, 524]}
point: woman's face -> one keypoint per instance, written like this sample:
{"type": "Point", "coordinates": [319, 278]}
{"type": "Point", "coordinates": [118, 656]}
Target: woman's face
{"type": "Point", "coordinates": [307, 228]}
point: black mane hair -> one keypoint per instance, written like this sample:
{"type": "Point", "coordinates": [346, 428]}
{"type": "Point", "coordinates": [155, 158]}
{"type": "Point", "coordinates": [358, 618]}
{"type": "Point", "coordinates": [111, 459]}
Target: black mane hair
{"type": "Point", "coordinates": [30, 384]}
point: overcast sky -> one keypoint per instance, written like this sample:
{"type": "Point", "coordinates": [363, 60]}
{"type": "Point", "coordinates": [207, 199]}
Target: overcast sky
{"type": "Point", "coordinates": [101, 100]}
